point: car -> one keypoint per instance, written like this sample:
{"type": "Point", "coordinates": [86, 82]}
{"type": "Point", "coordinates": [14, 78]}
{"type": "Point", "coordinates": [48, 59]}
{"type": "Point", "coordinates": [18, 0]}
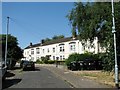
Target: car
{"type": "Point", "coordinates": [3, 70]}
{"type": "Point", "coordinates": [28, 65]}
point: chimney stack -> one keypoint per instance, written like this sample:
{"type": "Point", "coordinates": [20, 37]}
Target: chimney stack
{"type": "Point", "coordinates": [42, 41]}
{"type": "Point", "coordinates": [30, 43]}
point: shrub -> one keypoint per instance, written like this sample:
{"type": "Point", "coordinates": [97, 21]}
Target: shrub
{"type": "Point", "coordinates": [44, 59]}
{"type": "Point", "coordinates": [51, 62]}
{"type": "Point", "coordinates": [81, 57]}
{"type": "Point", "coordinates": [72, 57]}
{"type": "Point", "coordinates": [39, 61]}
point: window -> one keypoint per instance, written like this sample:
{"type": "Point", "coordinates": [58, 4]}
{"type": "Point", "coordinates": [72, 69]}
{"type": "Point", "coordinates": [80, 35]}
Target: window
{"type": "Point", "coordinates": [63, 57]}
{"type": "Point", "coordinates": [53, 49]}
{"type": "Point", "coordinates": [27, 52]}
{"type": "Point", "coordinates": [48, 50]}
{"type": "Point", "coordinates": [32, 51]}
{"type": "Point", "coordinates": [32, 58]}
{"type": "Point", "coordinates": [37, 58]}
{"type": "Point", "coordinates": [72, 47]}
{"type": "Point", "coordinates": [53, 57]}
{"type": "Point", "coordinates": [43, 50]}
{"type": "Point", "coordinates": [83, 48]}
{"type": "Point", "coordinates": [60, 57]}
{"type": "Point", "coordinates": [37, 50]}
{"type": "Point", "coordinates": [62, 48]}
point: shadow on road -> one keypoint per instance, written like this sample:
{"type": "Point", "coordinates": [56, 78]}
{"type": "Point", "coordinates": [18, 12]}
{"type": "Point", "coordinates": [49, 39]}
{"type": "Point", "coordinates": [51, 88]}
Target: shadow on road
{"type": "Point", "coordinates": [9, 74]}
{"type": "Point", "coordinates": [30, 69]}
{"type": "Point", "coordinates": [15, 68]}
{"type": "Point", "coordinates": [37, 69]}
{"type": "Point", "coordinates": [9, 82]}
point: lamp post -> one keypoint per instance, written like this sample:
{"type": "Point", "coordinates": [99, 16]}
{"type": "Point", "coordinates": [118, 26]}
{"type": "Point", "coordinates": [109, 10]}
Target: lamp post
{"type": "Point", "coordinates": [114, 32]}
{"type": "Point", "coordinates": [6, 41]}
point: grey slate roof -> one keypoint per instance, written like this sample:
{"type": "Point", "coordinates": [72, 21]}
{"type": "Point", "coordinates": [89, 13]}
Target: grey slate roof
{"type": "Point", "coordinates": [50, 42]}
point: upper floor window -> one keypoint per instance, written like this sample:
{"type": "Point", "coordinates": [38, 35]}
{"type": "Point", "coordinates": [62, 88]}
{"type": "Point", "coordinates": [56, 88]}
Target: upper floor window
{"type": "Point", "coordinates": [32, 51]}
{"type": "Point", "coordinates": [48, 50]}
{"type": "Point", "coordinates": [43, 50]}
{"type": "Point", "coordinates": [61, 47]}
{"type": "Point", "coordinates": [53, 49]}
{"type": "Point", "coordinates": [72, 46]}
{"type": "Point", "coordinates": [37, 50]}
{"type": "Point", "coordinates": [27, 52]}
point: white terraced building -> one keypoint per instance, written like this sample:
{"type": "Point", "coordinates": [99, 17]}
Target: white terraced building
{"type": "Point", "coordinates": [59, 49]}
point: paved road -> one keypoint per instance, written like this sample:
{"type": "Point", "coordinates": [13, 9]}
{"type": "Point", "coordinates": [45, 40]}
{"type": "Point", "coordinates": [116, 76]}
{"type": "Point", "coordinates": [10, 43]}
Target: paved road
{"type": "Point", "coordinates": [40, 78]}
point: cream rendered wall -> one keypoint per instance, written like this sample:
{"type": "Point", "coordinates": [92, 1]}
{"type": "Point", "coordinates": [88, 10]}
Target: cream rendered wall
{"type": "Point", "coordinates": [57, 53]}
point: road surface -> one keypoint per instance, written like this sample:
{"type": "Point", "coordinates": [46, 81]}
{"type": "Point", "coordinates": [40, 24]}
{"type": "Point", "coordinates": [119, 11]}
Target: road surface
{"type": "Point", "coordinates": [40, 78]}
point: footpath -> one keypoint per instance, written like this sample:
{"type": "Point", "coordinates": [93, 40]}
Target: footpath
{"type": "Point", "coordinates": [74, 80]}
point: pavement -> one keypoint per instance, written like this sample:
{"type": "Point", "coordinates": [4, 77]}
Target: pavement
{"type": "Point", "coordinates": [74, 80]}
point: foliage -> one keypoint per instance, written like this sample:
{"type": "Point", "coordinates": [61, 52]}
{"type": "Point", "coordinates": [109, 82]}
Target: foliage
{"type": "Point", "coordinates": [44, 59]}
{"type": "Point", "coordinates": [95, 20]}
{"type": "Point", "coordinates": [51, 62]}
{"type": "Point", "coordinates": [54, 38]}
{"type": "Point", "coordinates": [57, 37]}
{"type": "Point", "coordinates": [80, 57]}
{"type": "Point", "coordinates": [14, 51]}
{"type": "Point", "coordinates": [39, 61]}
{"type": "Point", "coordinates": [44, 62]}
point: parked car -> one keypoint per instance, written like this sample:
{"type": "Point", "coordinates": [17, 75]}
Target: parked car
{"type": "Point", "coordinates": [27, 65]}
{"type": "Point", "coordinates": [3, 70]}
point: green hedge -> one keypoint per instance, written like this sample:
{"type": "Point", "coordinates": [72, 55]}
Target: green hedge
{"type": "Point", "coordinates": [81, 57]}
{"type": "Point", "coordinates": [45, 62]}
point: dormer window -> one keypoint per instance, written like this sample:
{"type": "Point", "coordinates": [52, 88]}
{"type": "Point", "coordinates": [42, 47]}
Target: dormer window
{"type": "Point", "coordinates": [61, 46]}
{"type": "Point", "coordinates": [72, 46]}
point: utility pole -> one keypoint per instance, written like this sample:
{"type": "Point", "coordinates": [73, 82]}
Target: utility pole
{"type": "Point", "coordinates": [6, 41]}
{"type": "Point", "coordinates": [116, 64]}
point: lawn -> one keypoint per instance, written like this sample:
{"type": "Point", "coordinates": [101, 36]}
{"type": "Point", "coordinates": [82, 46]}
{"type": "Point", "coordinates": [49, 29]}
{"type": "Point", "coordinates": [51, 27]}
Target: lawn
{"type": "Point", "coordinates": [99, 76]}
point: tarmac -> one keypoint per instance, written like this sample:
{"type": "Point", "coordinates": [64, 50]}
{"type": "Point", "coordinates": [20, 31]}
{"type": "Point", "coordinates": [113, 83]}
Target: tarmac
{"type": "Point", "coordinates": [74, 80]}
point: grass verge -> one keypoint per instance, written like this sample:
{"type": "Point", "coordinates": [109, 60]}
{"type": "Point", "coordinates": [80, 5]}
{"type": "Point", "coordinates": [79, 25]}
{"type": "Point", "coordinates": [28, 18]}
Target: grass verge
{"type": "Point", "coordinates": [100, 76]}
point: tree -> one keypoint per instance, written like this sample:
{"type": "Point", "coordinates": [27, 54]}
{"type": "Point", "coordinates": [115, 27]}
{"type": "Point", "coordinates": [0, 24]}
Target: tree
{"type": "Point", "coordinates": [14, 51]}
{"type": "Point", "coordinates": [57, 37]}
{"type": "Point", "coordinates": [95, 20]}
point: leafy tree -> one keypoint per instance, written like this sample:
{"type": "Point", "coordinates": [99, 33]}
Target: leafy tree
{"type": "Point", "coordinates": [47, 39]}
{"type": "Point", "coordinates": [14, 51]}
{"type": "Point", "coordinates": [54, 38]}
{"type": "Point", "coordinates": [95, 20]}
{"type": "Point", "coordinates": [57, 37]}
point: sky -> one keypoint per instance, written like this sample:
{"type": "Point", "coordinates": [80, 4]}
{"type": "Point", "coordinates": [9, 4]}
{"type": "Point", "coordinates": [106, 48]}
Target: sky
{"type": "Point", "coordinates": [33, 21]}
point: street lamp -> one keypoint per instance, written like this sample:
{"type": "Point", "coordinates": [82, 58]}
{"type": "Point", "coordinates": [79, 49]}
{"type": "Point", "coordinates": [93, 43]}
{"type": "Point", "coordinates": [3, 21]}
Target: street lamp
{"type": "Point", "coordinates": [6, 41]}
{"type": "Point", "coordinates": [114, 32]}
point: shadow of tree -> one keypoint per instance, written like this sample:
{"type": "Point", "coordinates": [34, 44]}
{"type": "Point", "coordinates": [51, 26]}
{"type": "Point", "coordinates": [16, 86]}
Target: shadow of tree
{"type": "Point", "coordinates": [29, 69]}
{"type": "Point", "coordinates": [9, 74]}
{"type": "Point", "coordinates": [9, 82]}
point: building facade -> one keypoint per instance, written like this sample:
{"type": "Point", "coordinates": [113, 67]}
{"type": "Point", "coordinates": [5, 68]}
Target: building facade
{"type": "Point", "coordinates": [59, 49]}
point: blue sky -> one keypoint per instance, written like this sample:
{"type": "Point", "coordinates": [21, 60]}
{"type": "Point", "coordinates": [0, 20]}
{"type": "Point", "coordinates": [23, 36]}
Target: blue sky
{"type": "Point", "coordinates": [31, 22]}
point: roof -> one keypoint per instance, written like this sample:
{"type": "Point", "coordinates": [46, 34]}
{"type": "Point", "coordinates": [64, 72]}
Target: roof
{"type": "Point", "coordinates": [50, 42]}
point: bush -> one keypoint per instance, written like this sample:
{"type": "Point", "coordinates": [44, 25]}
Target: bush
{"type": "Point", "coordinates": [72, 57]}
{"type": "Point", "coordinates": [78, 57]}
{"type": "Point", "coordinates": [108, 61]}
{"type": "Point", "coordinates": [50, 62]}
{"type": "Point", "coordinates": [45, 60]}
{"type": "Point", "coordinates": [39, 61]}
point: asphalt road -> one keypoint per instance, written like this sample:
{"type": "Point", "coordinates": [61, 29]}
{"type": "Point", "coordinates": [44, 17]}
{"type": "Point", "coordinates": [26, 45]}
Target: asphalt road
{"type": "Point", "coordinates": [40, 78]}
